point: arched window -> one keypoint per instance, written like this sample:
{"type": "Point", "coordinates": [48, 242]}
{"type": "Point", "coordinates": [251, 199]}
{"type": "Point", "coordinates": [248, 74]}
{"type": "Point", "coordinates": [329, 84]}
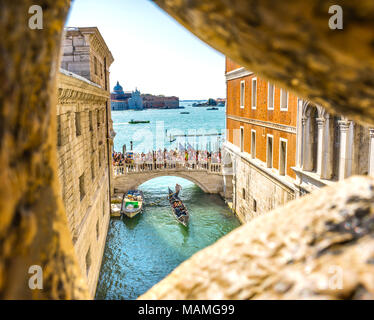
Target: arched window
{"type": "Point", "coordinates": [310, 139]}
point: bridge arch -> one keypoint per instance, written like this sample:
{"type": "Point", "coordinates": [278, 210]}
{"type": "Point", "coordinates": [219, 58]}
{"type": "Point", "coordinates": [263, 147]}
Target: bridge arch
{"type": "Point", "coordinates": [209, 183]}
{"type": "Point", "coordinates": [179, 175]}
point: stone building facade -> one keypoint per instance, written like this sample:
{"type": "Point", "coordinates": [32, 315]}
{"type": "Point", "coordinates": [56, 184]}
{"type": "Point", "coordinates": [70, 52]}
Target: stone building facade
{"type": "Point", "coordinates": [330, 148]}
{"type": "Point", "coordinates": [84, 143]}
{"type": "Point", "coordinates": [85, 53]}
{"type": "Point", "coordinates": [261, 143]}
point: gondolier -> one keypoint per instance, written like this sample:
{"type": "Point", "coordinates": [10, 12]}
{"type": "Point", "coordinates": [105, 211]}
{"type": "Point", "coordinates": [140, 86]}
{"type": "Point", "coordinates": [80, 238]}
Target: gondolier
{"type": "Point", "coordinates": [178, 188]}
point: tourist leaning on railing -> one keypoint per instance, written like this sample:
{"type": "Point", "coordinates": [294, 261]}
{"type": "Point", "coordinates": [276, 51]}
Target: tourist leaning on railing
{"type": "Point", "coordinates": [168, 159]}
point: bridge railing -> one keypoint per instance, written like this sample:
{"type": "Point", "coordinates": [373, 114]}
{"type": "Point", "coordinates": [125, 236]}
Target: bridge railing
{"type": "Point", "coordinates": [129, 168]}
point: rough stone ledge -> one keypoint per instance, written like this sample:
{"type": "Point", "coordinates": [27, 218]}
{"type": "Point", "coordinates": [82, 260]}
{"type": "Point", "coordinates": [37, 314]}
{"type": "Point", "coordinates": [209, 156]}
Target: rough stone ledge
{"type": "Point", "coordinates": [320, 246]}
{"type": "Point", "coordinates": [290, 43]}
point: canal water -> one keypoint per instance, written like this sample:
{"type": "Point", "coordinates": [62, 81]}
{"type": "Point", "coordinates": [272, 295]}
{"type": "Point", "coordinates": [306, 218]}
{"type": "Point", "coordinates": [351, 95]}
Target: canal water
{"type": "Point", "coordinates": [141, 251]}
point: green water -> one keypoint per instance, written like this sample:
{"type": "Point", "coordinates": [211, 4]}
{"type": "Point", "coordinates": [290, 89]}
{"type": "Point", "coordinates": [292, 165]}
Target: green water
{"type": "Point", "coordinates": [141, 251]}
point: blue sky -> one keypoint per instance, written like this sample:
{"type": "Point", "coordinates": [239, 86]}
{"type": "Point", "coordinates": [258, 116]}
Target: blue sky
{"type": "Point", "coordinates": [151, 50]}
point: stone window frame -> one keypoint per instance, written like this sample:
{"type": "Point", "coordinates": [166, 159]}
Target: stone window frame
{"type": "Point", "coordinates": [254, 94]}
{"type": "Point", "coordinates": [59, 130]}
{"type": "Point", "coordinates": [82, 187]}
{"type": "Point", "coordinates": [241, 142]}
{"type": "Point", "coordinates": [78, 126]}
{"type": "Point", "coordinates": [93, 169]}
{"type": "Point", "coordinates": [90, 120]}
{"type": "Point", "coordinates": [267, 150]}
{"type": "Point", "coordinates": [282, 108]}
{"type": "Point", "coordinates": [242, 94]}
{"type": "Point", "coordinates": [98, 229]}
{"type": "Point", "coordinates": [98, 121]}
{"type": "Point", "coordinates": [253, 145]}
{"type": "Point", "coordinates": [268, 98]}
{"type": "Point", "coordinates": [95, 66]}
{"type": "Point", "coordinates": [285, 156]}
{"type": "Point", "coordinates": [88, 260]}
{"type": "Point", "coordinates": [100, 160]}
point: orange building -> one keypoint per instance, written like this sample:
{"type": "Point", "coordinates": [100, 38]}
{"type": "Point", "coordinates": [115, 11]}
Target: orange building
{"type": "Point", "coordinates": [279, 147]}
{"type": "Point", "coordinates": [261, 142]}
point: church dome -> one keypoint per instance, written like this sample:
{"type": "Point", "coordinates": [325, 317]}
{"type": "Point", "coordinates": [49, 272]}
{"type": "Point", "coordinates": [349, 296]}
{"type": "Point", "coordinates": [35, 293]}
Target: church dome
{"type": "Point", "coordinates": [118, 89]}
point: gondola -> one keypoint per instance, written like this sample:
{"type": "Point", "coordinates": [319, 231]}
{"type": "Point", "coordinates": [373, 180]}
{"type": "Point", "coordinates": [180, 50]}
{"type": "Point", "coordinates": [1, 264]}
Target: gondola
{"type": "Point", "coordinates": [180, 211]}
{"type": "Point", "coordinates": [132, 203]}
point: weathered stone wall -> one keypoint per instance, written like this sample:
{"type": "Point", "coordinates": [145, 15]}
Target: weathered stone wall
{"type": "Point", "coordinates": [33, 224]}
{"type": "Point", "coordinates": [257, 189]}
{"type": "Point", "coordinates": [83, 168]}
{"type": "Point", "coordinates": [290, 43]}
{"type": "Point", "coordinates": [262, 193]}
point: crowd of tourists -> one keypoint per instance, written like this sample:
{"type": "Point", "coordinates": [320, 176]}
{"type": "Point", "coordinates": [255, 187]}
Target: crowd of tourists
{"type": "Point", "coordinates": [167, 156]}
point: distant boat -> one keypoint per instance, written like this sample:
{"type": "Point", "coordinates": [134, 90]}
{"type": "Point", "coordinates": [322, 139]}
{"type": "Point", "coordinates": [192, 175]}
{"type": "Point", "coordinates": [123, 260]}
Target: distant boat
{"type": "Point", "coordinates": [138, 121]}
{"type": "Point", "coordinates": [212, 108]}
{"type": "Point", "coordinates": [132, 203]}
{"type": "Point", "coordinates": [185, 112]}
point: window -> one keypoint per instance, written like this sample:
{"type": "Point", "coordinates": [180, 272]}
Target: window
{"type": "Point", "coordinates": [283, 100]}
{"type": "Point", "coordinates": [95, 65]}
{"type": "Point", "coordinates": [105, 77]}
{"type": "Point", "coordinates": [82, 190]}
{"type": "Point", "coordinates": [98, 118]}
{"type": "Point", "coordinates": [242, 93]}
{"type": "Point", "coordinates": [269, 151]}
{"type": "Point", "coordinates": [59, 133]}
{"type": "Point", "coordinates": [93, 170]}
{"type": "Point", "coordinates": [88, 260]}
{"type": "Point", "coordinates": [243, 193]}
{"type": "Point", "coordinates": [254, 205]}
{"type": "Point", "coordinates": [253, 144]}
{"type": "Point", "coordinates": [90, 120]}
{"type": "Point", "coordinates": [270, 96]}
{"type": "Point", "coordinates": [97, 229]}
{"type": "Point", "coordinates": [100, 157]}
{"type": "Point", "coordinates": [254, 93]}
{"type": "Point", "coordinates": [282, 156]}
{"type": "Point", "coordinates": [78, 124]}
{"type": "Point", "coordinates": [241, 139]}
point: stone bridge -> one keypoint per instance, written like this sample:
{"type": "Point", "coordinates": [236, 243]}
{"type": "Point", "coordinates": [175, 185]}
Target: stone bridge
{"type": "Point", "coordinates": [209, 176]}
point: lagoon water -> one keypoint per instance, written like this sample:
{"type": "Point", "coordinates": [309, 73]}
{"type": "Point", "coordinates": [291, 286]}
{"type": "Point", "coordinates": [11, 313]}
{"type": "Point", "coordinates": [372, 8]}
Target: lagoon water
{"type": "Point", "coordinates": [141, 251]}
{"type": "Point", "coordinates": [163, 123]}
